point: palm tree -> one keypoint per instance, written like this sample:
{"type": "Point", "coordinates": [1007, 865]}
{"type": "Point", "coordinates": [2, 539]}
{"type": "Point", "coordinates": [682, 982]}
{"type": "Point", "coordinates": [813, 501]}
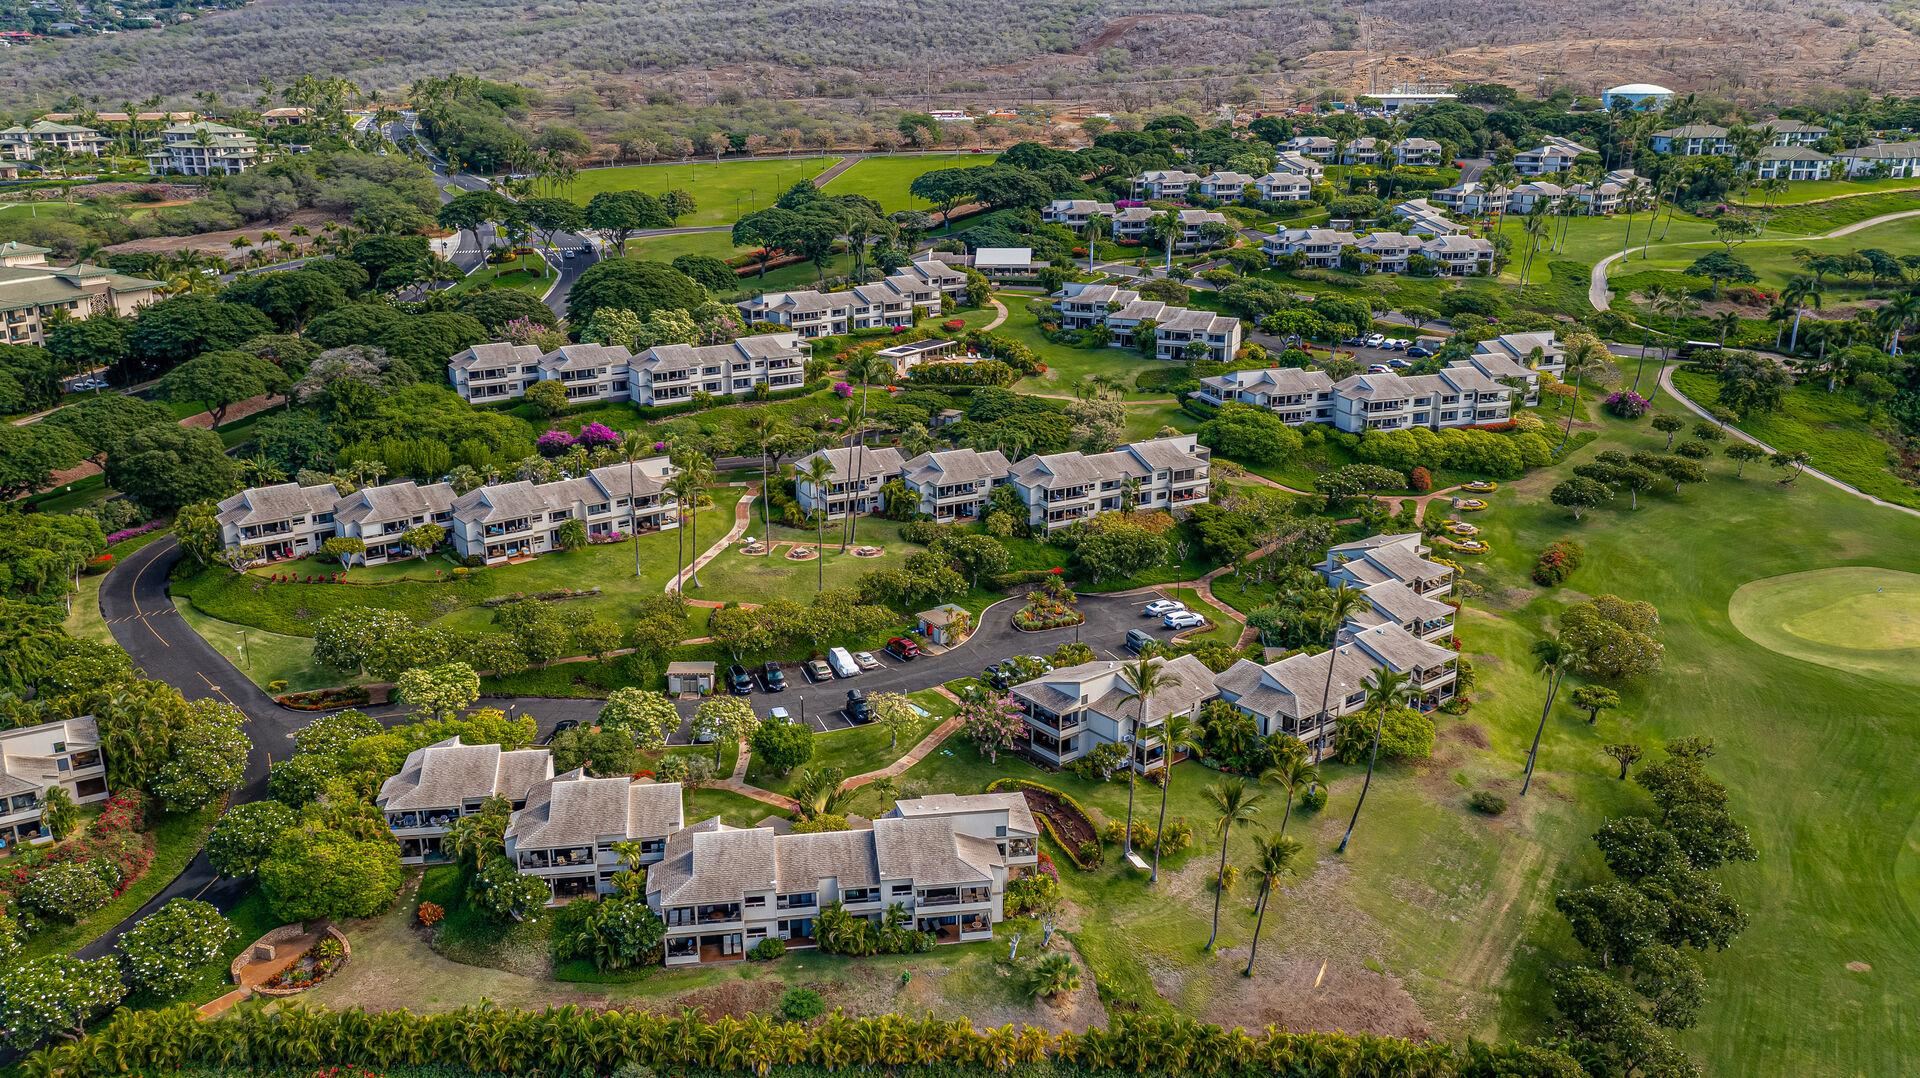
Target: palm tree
{"type": "Point", "coordinates": [1636, 190]}
{"type": "Point", "coordinates": [1387, 690]}
{"type": "Point", "coordinates": [1294, 774]}
{"type": "Point", "coordinates": [1097, 225]}
{"type": "Point", "coordinates": [864, 366]}
{"type": "Point", "coordinates": [818, 473]}
{"type": "Point", "coordinates": [1584, 353]}
{"type": "Point", "coordinates": [1654, 296]}
{"type": "Point", "coordinates": [1178, 734]}
{"type": "Point", "coordinates": [1896, 316]}
{"type": "Point", "coordinates": [1166, 228]}
{"type": "Point", "coordinates": [1143, 677]}
{"type": "Point", "coordinates": [767, 437]}
{"type": "Point", "coordinates": [1552, 657]}
{"type": "Point", "coordinates": [1273, 860]}
{"type": "Point", "coordinates": [1235, 801]}
{"type": "Point", "coordinates": [1499, 178]}
{"type": "Point", "coordinates": [631, 447]}
{"type": "Point", "coordinates": [1725, 323]}
{"type": "Point", "coordinates": [1801, 293]}
{"type": "Point", "coordinates": [1335, 607]}
{"type": "Point", "coordinates": [696, 471]}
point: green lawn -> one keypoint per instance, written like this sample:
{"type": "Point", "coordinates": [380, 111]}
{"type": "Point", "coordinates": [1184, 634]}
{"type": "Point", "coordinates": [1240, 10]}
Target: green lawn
{"type": "Point", "coordinates": [91, 490]}
{"type": "Point", "coordinates": [723, 190]}
{"type": "Point", "coordinates": [1815, 190]}
{"type": "Point", "coordinates": [886, 179]}
{"type": "Point", "coordinates": [264, 657]}
{"type": "Point", "coordinates": [1831, 427]}
{"type": "Point", "coordinates": [527, 274]}
{"type": "Point", "coordinates": [1068, 366]}
{"type": "Point", "coordinates": [176, 838]}
{"type": "Point", "coordinates": [861, 749]}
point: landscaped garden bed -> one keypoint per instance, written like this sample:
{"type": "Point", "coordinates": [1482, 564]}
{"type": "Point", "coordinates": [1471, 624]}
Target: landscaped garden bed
{"type": "Point", "coordinates": [1066, 822]}
{"type": "Point", "coordinates": [1050, 606]}
{"type": "Point", "coordinates": [325, 699]}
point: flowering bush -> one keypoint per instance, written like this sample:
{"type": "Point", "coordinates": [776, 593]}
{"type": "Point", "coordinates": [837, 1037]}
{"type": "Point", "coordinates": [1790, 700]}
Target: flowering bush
{"type": "Point", "coordinates": [594, 435]}
{"type": "Point", "coordinates": [129, 533]}
{"type": "Point", "coordinates": [1628, 405]}
{"type": "Point", "coordinates": [430, 914]}
{"type": "Point", "coordinates": [165, 948]}
{"type": "Point", "coordinates": [113, 847]}
{"type": "Point", "coordinates": [68, 891]}
{"type": "Point", "coordinates": [99, 564]}
{"type": "Point", "coordinates": [553, 443]}
{"type": "Point", "coordinates": [843, 389]}
{"type": "Point", "coordinates": [954, 324]}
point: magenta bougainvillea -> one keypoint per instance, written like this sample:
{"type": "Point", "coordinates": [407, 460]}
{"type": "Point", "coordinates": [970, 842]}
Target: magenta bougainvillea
{"type": "Point", "coordinates": [843, 389]}
{"type": "Point", "coordinates": [553, 443]}
{"type": "Point", "coordinates": [597, 434]}
{"type": "Point", "coordinates": [1628, 405]}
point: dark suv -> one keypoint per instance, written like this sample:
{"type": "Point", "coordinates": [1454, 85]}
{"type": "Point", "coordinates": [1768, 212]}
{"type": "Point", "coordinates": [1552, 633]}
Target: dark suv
{"type": "Point", "coordinates": [774, 678]}
{"type": "Point", "coordinates": [859, 711]}
{"type": "Point", "coordinates": [739, 682]}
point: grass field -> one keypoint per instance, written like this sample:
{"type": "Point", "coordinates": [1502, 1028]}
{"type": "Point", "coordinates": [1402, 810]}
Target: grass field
{"type": "Point", "coordinates": [1772, 259]}
{"type": "Point", "coordinates": [525, 274]}
{"type": "Point", "coordinates": [1854, 618]}
{"type": "Point", "coordinates": [1816, 190]}
{"type": "Point", "coordinates": [886, 179]}
{"type": "Point", "coordinates": [723, 190]}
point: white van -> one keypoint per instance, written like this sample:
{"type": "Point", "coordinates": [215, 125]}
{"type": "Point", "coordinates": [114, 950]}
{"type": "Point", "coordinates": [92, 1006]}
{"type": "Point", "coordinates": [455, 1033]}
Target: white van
{"type": "Point", "coordinates": [842, 662]}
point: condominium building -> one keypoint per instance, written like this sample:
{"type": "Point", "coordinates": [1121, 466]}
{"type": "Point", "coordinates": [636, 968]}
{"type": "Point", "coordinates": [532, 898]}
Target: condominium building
{"type": "Point", "coordinates": [663, 374]}
{"type": "Point", "coordinates": [1554, 154]}
{"type": "Point", "coordinates": [1793, 161]}
{"type": "Point", "coordinates": [1225, 186]}
{"type": "Point", "coordinates": [1365, 150]}
{"type": "Point", "coordinates": [1277, 186]}
{"type": "Point", "coordinates": [1424, 218]}
{"type": "Point", "coordinates": [203, 149]}
{"type": "Point", "coordinates": [1470, 199]}
{"type": "Point", "coordinates": [1074, 213]}
{"type": "Point", "coordinates": [857, 474]}
{"type": "Point", "coordinates": [496, 522]}
{"type": "Point", "coordinates": [1061, 489]}
{"type": "Point", "coordinates": [1537, 351]}
{"type": "Point", "coordinates": [954, 484]}
{"type": "Point", "coordinates": [1318, 147]}
{"type": "Point", "coordinates": [1326, 248]}
{"type": "Point", "coordinates": [23, 143]}
{"type": "Point", "coordinates": [1320, 247]}
{"type": "Point", "coordinates": [1455, 397]}
{"type": "Point", "coordinates": [1074, 710]}
{"type": "Point", "coordinates": [35, 759]}
{"type": "Point", "coordinates": [1524, 197]}
{"type": "Point", "coordinates": [1122, 311]}
{"type": "Point", "coordinates": [1895, 160]}
{"type": "Point", "coordinates": [31, 291]}
{"type": "Point", "coordinates": [1171, 184]}
{"type": "Point", "coordinates": [898, 300]}
{"type": "Point", "coordinates": [1298, 396]}
{"type": "Point", "coordinates": [723, 890]}
{"type": "Point", "coordinates": [566, 832]}
{"type": "Point", "coordinates": [441, 782]}
{"type": "Point", "coordinates": [1134, 223]}
{"type": "Point", "coordinates": [1422, 152]}
{"type": "Point", "coordinates": [1795, 132]}
{"type": "Point", "coordinates": [1298, 164]}
{"type": "Point", "coordinates": [1692, 140]}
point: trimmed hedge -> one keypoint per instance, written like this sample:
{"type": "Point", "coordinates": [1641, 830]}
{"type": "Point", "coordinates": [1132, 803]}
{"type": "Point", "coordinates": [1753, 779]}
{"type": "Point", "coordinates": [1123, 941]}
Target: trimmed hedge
{"type": "Point", "coordinates": [572, 1040]}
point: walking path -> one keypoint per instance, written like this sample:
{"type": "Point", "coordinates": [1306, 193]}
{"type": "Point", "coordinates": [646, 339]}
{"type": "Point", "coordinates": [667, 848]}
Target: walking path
{"type": "Point", "coordinates": [1666, 381]}
{"type": "Point", "coordinates": [742, 520]}
{"type": "Point", "coordinates": [1601, 298]}
{"type": "Point", "coordinates": [286, 952]}
{"type": "Point", "coordinates": [204, 420]}
{"type": "Point", "coordinates": [998, 318]}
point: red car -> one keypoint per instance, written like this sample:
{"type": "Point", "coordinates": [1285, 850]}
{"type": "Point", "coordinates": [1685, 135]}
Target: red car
{"type": "Point", "coordinates": [903, 649]}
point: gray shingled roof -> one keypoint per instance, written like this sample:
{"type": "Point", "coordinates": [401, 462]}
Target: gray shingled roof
{"type": "Point", "coordinates": [875, 462]}
{"type": "Point", "coordinates": [802, 861]}
{"type": "Point", "coordinates": [708, 864]}
{"type": "Point", "coordinates": [447, 773]}
{"type": "Point", "coordinates": [498, 352]}
{"type": "Point", "coordinates": [278, 502]}
{"type": "Point", "coordinates": [1186, 682]}
{"type": "Point", "coordinates": [925, 851]}
{"type": "Point", "coordinates": [395, 501]}
{"type": "Point", "coordinates": [957, 466]}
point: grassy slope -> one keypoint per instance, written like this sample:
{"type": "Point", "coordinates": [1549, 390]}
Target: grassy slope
{"type": "Point", "coordinates": [723, 190]}
{"type": "Point", "coordinates": [176, 838]}
{"type": "Point", "coordinates": [886, 179]}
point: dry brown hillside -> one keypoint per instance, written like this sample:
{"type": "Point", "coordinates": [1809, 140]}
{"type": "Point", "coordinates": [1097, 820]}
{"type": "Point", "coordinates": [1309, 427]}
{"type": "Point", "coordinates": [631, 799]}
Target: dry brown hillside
{"type": "Point", "coordinates": [1124, 52]}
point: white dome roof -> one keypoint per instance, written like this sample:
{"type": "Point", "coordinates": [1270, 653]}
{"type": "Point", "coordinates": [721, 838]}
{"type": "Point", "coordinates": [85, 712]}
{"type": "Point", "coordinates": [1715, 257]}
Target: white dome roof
{"type": "Point", "coordinates": [1640, 88]}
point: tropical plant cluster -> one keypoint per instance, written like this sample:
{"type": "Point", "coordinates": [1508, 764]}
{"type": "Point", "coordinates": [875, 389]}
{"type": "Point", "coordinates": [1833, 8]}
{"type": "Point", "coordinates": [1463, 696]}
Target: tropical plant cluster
{"type": "Point", "coordinates": [571, 1039]}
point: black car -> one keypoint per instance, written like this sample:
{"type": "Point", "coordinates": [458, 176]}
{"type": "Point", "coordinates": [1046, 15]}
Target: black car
{"type": "Point", "coordinates": [859, 711]}
{"type": "Point", "coordinates": [999, 675]}
{"type": "Point", "coordinates": [739, 682]}
{"type": "Point", "coordinates": [1417, 352]}
{"type": "Point", "coordinates": [559, 728]}
{"type": "Point", "coordinates": [774, 678]}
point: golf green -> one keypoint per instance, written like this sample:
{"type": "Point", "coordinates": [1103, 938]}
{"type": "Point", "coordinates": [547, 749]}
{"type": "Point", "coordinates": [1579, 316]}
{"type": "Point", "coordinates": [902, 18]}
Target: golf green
{"type": "Point", "coordinates": [1856, 618]}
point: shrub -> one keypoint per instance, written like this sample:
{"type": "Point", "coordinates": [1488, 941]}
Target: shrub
{"type": "Point", "coordinates": [1090, 854]}
{"type": "Point", "coordinates": [69, 890]}
{"type": "Point", "coordinates": [430, 914]}
{"type": "Point", "coordinates": [1558, 562]}
{"type": "Point", "coordinates": [767, 950]}
{"type": "Point", "coordinates": [1313, 800]}
{"type": "Point", "coordinates": [162, 952]}
{"type": "Point", "coordinates": [1487, 803]}
{"type": "Point", "coordinates": [800, 1004]}
{"type": "Point", "coordinates": [1420, 480]}
{"type": "Point", "coordinates": [1694, 449]}
{"type": "Point", "coordinates": [1177, 837]}
{"type": "Point", "coordinates": [1627, 404]}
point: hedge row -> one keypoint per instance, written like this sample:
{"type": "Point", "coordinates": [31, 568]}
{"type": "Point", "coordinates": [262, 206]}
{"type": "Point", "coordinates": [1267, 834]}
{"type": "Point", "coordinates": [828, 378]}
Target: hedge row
{"type": "Point", "coordinates": [569, 1041]}
{"type": "Point", "coordinates": [1069, 848]}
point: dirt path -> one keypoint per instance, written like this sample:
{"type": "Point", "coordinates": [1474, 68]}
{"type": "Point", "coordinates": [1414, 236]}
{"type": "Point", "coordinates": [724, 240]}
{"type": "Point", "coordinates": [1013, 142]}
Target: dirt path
{"type": "Point", "coordinates": [742, 520]}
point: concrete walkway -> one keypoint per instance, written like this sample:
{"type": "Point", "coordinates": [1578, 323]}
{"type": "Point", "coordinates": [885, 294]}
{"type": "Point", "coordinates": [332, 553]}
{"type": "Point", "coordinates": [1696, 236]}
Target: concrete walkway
{"type": "Point", "coordinates": [995, 303]}
{"type": "Point", "coordinates": [1666, 381]}
{"type": "Point", "coordinates": [742, 520]}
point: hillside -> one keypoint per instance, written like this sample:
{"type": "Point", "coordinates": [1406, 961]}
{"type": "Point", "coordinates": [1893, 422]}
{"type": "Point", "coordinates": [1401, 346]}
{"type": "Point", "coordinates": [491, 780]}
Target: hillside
{"type": "Point", "coordinates": [1103, 51]}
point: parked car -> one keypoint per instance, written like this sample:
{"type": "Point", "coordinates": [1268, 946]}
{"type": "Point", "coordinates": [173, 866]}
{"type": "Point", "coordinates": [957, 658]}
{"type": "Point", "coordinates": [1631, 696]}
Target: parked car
{"type": "Point", "coordinates": [858, 709]}
{"type": "Point", "coordinates": [1138, 639]}
{"type": "Point", "coordinates": [999, 675]}
{"type": "Point", "coordinates": [841, 660]}
{"type": "Point", "coordinates": [779, 714]}
{"type": "Point", "coordinates": [903, 649]}
{"type": "Point", "coordinates": [1379, 368]}
{"type": "Point", "coordinates": [774, 678]}
{"type": "Point", "coordinates": [1417, 352]}
{"type": "Point", "coordinates": [1162, 607]}
{"type": "Point", "coordinates": [1376, 340]}
{"type": "Point", "coordinates": [1185, 619]}
{"type": "Point", "coordinates": [559, 728]}
{"type": "Point", "coordinates": [1398, 344]}
{"type": "Point", "coordinates": [1399, 364]}
{"type": "Point", "coordinates": [818, 671]}
{"type": "Point", "coordinates": [866, 660]}
{"type": "Point", "coordinates": [739, 682]}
